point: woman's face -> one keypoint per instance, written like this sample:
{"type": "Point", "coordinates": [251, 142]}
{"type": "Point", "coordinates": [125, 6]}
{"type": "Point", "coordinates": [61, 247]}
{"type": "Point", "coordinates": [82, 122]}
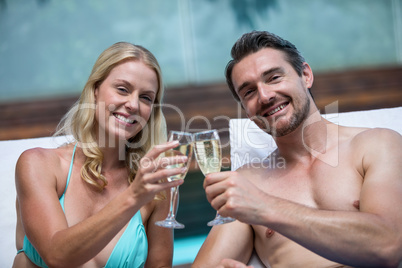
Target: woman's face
{"type": "Point", "coordinates": [124, 101]}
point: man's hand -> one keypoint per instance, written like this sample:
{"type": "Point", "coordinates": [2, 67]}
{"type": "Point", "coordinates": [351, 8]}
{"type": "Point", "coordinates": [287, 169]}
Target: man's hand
{"type": "Point", "coordinates": [235, 196]}
{"type": "Point", "coordinates": [228, 263]}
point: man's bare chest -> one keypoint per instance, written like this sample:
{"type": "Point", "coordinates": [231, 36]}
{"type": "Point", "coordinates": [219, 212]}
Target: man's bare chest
{"type": "Point", "coordinates": [318, 185]}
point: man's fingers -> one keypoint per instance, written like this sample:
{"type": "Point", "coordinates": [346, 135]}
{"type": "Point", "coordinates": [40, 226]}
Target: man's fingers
{"type": "Point", "coordinates": [228, 263]}
{"type": "Point", "coordinates": [215, 177]}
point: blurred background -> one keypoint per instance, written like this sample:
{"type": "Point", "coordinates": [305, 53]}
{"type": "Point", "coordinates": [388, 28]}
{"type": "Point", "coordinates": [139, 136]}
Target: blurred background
{"type": "Point", "coordinates": [48, 47]}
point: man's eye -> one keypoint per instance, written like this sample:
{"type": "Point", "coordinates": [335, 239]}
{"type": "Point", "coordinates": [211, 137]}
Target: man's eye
{"type": "Point", "coordinates": [248, 92]}
{"type": "Point", "coordinates": [275, 78]}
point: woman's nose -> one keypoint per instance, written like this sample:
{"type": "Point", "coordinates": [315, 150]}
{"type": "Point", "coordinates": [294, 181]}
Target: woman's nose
{"type": "Point", "coordinates": [132, 103]}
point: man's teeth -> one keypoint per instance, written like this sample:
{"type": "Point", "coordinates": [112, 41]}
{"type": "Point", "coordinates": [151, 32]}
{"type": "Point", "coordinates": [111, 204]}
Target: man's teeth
{"type": "Point", "coordinates": [125, 119]}
{"type": "Point", "coordinates": [277, 109]}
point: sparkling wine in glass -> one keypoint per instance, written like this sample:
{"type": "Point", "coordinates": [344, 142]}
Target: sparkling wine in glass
{"type": "Point", "coordinates": [185, 147]}
{"type": "Point", "coordinates": [208, 153]}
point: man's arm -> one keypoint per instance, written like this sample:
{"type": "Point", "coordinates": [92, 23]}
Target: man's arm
{"type": "Point", "coordinates": [231, 240]}
{"type": "Point", "coordinates": [371, 236]}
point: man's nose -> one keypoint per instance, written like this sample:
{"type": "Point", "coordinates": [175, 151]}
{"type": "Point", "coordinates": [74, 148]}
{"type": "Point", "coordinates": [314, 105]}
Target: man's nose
{"type": "Point", "coordinates": [265, 95]}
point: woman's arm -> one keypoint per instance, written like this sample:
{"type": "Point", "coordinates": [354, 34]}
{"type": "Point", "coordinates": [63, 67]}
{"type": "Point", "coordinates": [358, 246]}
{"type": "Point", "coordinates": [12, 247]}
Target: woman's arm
{"type": "Point", "coordinates": [160, 239]}
{"type": "Point", "coordinates": [45, 223]}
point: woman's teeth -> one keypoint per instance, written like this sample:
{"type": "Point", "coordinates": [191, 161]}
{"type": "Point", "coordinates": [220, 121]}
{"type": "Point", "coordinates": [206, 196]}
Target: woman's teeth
{"type": "Point", "coordinates": [124, 119]}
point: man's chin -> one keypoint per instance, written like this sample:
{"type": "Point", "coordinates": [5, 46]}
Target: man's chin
{"type": "Point", "coordinates": [267, 128]}
{"type": "Point", "coordinates": [263, 125]}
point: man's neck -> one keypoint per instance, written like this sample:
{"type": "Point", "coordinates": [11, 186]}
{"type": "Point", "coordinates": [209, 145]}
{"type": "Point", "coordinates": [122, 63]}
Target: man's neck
{"type": "Point", "coordinates": [310, 140]}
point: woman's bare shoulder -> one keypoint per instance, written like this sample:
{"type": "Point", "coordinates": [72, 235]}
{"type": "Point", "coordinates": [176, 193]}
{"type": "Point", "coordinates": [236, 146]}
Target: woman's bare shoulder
{"type": "Point", "coordinates": [43, 163]}
{"type": "Point", "coordinates": [45, 155]}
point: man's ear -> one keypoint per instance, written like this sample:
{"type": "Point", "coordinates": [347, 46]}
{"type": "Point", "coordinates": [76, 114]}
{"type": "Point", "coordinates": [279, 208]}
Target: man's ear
{"type": "Point", "coordinates": [307, 75]}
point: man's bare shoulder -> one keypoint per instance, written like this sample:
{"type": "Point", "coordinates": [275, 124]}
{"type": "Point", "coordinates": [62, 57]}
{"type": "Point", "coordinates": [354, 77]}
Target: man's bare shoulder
{"type": "Point", "coordinates": [373, 136]}
{"type": "Point", "coordinates": [370, 147]}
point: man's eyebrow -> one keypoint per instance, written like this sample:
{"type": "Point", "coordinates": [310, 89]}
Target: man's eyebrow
{"type": "Point", "coordinates": [265, 73]}
{"type": "Point", "coordinates": [273, 70]}
{"type": "Point", "coordinates": [243, 86]}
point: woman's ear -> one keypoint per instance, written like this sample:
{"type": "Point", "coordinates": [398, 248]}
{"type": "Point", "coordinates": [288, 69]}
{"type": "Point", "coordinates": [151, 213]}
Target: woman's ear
{"type": "Point", "coordinates": [96, 94]}
{"type": "Point", "coordinates": [307, 75]}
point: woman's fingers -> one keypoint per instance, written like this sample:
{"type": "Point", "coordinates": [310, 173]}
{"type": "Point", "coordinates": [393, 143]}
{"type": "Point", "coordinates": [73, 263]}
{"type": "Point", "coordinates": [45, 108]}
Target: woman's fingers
{"type": "Point", "coordinates": [148, 165]}
{"type": "Point", "coordinates": [163, 174]}
{"type": "Point", "coordinates": [151, 162]}
{"type": "Point", "coordinates": [154, 170]}
{"type": "Point", "coordinates": [163, 185]}
{"type": "Point", "coordinates": [160, 148]}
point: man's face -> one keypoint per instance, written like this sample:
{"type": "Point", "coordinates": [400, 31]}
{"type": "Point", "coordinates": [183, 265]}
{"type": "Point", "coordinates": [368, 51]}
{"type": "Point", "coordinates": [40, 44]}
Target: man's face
{"type": "Point", "coordinates": [271, 92]}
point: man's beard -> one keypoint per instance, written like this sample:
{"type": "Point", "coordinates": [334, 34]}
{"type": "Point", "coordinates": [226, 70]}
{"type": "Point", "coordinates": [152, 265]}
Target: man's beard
{"type": "Point", "coordinates": [297, 118]}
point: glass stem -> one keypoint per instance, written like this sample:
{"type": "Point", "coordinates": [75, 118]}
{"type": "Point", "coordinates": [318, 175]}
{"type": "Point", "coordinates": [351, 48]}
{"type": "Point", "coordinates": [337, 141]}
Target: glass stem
{"type": "Point", "coordinates": [173, 202]}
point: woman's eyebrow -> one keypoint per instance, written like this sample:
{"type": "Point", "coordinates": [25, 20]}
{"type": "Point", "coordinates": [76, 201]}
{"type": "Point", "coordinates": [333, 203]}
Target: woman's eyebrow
{"type": "Point", "coordinates": [123, 82]}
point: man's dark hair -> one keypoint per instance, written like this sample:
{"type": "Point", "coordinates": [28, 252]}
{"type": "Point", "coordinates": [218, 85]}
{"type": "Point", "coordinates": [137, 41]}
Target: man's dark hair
{"type": "Point", "coordinates": [253, 42]}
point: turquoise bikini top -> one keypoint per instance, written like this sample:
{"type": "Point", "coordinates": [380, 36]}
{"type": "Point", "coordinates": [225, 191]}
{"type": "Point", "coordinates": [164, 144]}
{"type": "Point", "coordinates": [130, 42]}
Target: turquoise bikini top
{"type": "Point", "coordinates": [130, 251]}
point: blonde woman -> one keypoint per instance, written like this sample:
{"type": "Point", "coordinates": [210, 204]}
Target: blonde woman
{"type": "Point", "coordinates": [93, 202]}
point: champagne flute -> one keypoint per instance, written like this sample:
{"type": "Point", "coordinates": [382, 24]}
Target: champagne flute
{"type": "Point", "coordinates": [185, 147]}
{"type": "Point", "coordinates": [208, 153]}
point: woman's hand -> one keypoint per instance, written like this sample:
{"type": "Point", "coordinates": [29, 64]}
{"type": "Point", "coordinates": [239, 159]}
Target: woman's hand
{"type": "Point", "coordinates": [152, 172]}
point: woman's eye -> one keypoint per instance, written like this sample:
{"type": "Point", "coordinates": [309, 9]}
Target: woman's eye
{"type": "Point", "coordinates": [122, 89]}
{"type": "Point", "coordinates": [147, 98]}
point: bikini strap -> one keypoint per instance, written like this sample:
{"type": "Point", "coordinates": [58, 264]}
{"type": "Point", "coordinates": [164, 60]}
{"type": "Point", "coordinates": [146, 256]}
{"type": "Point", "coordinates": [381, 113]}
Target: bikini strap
{"type": "Point", "coordinates": [71, 168]}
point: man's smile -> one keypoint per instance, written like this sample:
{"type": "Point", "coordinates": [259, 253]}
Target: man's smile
{"type": "Point", "coordinates": [275, 110]}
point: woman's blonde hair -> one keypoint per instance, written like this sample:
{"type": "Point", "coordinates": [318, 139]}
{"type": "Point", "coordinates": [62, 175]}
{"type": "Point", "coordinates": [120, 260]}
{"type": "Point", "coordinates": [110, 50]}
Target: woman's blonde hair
{"type": "Point", "coordinates": [80, 119]}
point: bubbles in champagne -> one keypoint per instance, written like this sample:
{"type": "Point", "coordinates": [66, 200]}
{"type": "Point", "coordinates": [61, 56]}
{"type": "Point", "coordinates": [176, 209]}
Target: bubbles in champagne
{"type": "Point", "coordinates": [209, 155]}
{"type": "Point", "coordinates": [184, 149]}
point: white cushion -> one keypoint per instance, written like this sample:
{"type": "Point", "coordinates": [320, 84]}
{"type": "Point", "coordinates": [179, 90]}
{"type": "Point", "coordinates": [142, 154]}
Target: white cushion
{"type": "Point", "coordinates": [9, 154]}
